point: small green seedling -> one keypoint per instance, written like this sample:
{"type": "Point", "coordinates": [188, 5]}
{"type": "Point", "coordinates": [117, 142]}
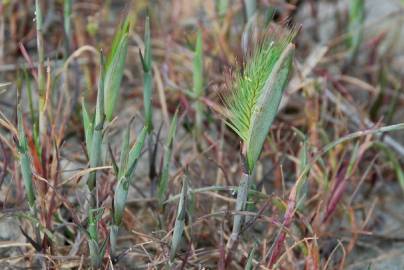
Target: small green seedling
{"type": "Point", "coordinates": [97, 249]}
{"type": "Point", "coordinates": [127, 166]}
{"type": "Point", "coordinates": [179, 221]}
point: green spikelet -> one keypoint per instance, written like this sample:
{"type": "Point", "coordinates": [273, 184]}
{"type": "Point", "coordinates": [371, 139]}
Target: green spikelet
{"type": "Point", "coordinates": [257, 93]}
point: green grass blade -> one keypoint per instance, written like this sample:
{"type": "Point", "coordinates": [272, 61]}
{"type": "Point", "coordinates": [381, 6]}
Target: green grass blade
{"type": "Point", "coordinates": [242, 195]}
{"type": "Point", "coordinates": [115, 67]}
{"type": "Point", "coordinates": [250, 8]}
{"type": "Point", "coordinates": [250, 264]}
{"type": "Point", "coordinates": [41, 51]}
{"type": "Point", "coordinates": [353, 159]}
{"type": "Point", "coordinates": [96, 255]}
{"type": "Point", "coordinates": [92, 225]}
{"type": "Point", "coordinates": [33, 113]}
{"type": "Point", "coordinates": [120, 197]}
{"type": "Point", "coordinates": [67, 12]}
{"type": "Point", "coordinates": [168, 147]}
{"type": "Point", "coordinates": [88, 127]}
{"type": "Point", "coordinates": [355, 26]}
{"type": "Point", "coordinates": [198, 82]}
{"type": "Point", "coordinates": [124, 153]}
{"type": "Point", "coordinates": [97, 137]}
{"type": "Point", "coordinates": [267, 105]}
{"type": "Point", "coordinates": [25, 162]}
{"type": "Point", "coordinates": [134, 153]}
{"type": "Point", "coordinates": [93, 247]}
{"type": "Point", "coordinates": [95, 154]}
{"type": "Point", "coordinates": [302, 186]}
{"type": "Point", "coordinates": [222, 7]}
{"type": "Point", "coordinates": [113, 238]}
{"type": "Point", "coordinates": [198, 66]}
{"type": "Point", "coordinates": [147, 59]}
{"type": "Point", "coordinates": [27, 177]}
{"type": "Point", "coordinates": [42, 117]}
{"type": "Point", "coordinates": [179, 221]}
{"type": "Point", "coordinates": [148, 86]}
{"type": "Point", "coordinates": [113, 161]}
{"type": "Point", "coordinates": [67, 23]}
{"type": "Point", "coordinates": [148, 77]}
{"type": "Point", "coordinates": [102, 249]}
{"type": "Point", "coordinates": [395, 163]}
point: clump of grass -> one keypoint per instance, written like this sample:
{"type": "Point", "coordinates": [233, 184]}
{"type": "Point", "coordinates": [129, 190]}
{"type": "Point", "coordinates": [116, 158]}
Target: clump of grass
{"type": "Point", "coordinates": [125, 171]}
{"type": "Point", "coordinates": [253, 105]}
{"type": "Point", "coordinates": [94, 136]}
{"type": "Point", "coordinates": [110, 76]}
{"type": "Point", "coordinates": [179, 225]}
{"type": "Point", "coordinates": [97, 248]}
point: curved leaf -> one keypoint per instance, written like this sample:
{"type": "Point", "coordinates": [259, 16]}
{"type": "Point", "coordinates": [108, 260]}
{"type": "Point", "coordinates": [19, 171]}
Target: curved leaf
{"type": "Point", "coordinates": [267, 105]}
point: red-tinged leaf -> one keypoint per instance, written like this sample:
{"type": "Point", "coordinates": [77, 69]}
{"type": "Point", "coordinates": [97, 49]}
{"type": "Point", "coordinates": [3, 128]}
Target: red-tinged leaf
{"type": "Point", "coordinates": [337, 191]}
{"type": "Point", "coordinates": [313, 258]}
{"type": "Point", "coordinates": [29, 61]}
{"type": "Point", "coordinates": [287, 220]}
{"type": "Point", "coordinates": [36, 160]}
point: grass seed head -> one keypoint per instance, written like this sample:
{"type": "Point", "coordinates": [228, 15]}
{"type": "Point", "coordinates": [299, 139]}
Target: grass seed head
{"type": "Point", "coordinates": [257, 91]}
